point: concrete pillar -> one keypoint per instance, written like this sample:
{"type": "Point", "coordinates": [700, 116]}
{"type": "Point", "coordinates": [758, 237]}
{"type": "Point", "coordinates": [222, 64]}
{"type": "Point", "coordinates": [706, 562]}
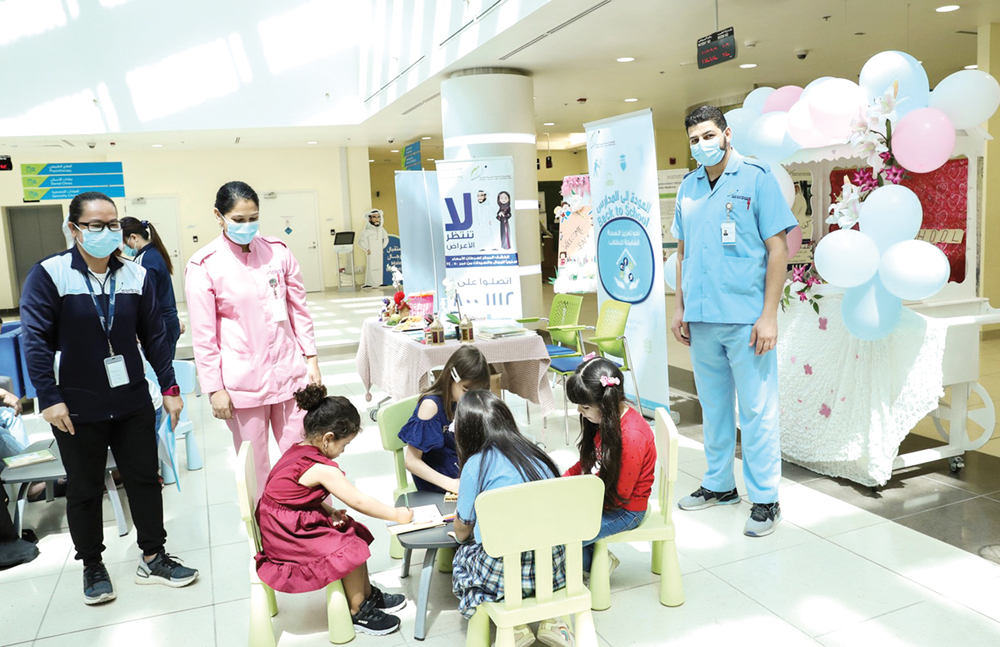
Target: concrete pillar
{"type": "Point", "coordinates": [489, 112]}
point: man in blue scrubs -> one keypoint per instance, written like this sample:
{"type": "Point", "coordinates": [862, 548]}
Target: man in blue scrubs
{"type": "Point", "coordinates": [730, 223]}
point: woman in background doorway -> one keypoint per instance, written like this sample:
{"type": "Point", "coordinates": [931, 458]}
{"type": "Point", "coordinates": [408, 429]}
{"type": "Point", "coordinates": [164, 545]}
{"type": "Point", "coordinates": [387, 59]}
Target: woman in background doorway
{"type": "Point", "coordinates": [250, 328]}
{"type": "Point", "coordinates": [143, 245]}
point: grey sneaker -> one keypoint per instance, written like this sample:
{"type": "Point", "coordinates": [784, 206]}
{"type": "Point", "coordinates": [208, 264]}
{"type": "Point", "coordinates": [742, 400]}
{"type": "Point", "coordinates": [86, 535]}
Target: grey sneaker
{"type": "Point", "coordinates": [703, 498]}
{"type": "Point", "coordinates": [166, 570]}
{"type": "Point", "coordinates": [763, 518]}
{"type": "Point", "coordinates": [97, 587]}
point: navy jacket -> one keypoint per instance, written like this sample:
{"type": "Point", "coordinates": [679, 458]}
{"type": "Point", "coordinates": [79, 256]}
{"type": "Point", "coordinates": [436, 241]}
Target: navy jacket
{"type": "Point", "coordinates": [57, 314]}
{"type": "Point", "coordinates": [156, 268]}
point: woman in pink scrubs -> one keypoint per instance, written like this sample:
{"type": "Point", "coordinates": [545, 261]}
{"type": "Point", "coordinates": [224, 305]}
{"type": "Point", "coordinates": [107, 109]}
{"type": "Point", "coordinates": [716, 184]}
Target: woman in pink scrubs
{"type": "Point", "coordinates": [251, 330]}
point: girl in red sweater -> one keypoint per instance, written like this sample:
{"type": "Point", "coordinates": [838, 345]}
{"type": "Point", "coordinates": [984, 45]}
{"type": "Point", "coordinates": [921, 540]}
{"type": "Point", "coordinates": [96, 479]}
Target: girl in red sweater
{"type": "Point", "coordinates": [616, 444]}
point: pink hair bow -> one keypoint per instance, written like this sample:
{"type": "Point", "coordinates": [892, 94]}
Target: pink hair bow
{"type": "Point", "coordinates": [608, 380]}
{"type": "Point", "coordinates": [589, 356]}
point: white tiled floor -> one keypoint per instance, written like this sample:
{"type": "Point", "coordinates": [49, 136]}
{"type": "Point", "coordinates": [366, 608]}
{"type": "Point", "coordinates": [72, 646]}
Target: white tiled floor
{"type": "Point", "coordinates": [831, 575]}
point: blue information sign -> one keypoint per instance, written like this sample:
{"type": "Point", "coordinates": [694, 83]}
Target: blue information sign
{"type": "Point", "coordinates": [71, 168]}
{"type": "Point", "coordinates": [68, 193]}
{"type": "Point", "coordinates": [109, 179]}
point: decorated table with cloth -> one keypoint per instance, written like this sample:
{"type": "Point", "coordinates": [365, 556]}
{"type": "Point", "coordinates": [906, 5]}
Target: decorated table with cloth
{"type": "Point", "coordinates": [400, 364]}
{"type": "Point", "coordinates": [847, 404]}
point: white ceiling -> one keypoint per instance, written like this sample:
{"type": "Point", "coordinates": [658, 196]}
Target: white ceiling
{"type": "Point", "coordinates": [579, 61]}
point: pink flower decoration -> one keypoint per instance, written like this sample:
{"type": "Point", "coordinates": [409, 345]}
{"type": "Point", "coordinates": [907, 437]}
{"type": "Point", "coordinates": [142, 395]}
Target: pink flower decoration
{"type": "Point", "coordinates": [813, 280]}
{"type": "Point", "coordinates": [864, 180]}
{"type": "Point", "coordinates": [822, 323]}
{"type": "Point", "coordinates": [894, 174]}
{"type": "Point", "coordinates": [799, 274]}
{"type": "Point", "coordinates": [886, 156]}
{"type": "Point", "coordinates": [803, 296]}
{"type": "Point", "coordinates": [825, 411]}
{"type": "Point", "coordinates": [808, 369]}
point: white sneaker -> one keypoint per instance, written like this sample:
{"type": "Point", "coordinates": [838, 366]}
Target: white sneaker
{"type": "Point", "coordinates": [613, 563]}
{"type": "Point", "coordinates": [556, 633]}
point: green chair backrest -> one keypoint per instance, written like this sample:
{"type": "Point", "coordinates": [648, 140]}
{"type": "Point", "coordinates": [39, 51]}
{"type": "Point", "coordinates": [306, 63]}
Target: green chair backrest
{"type": "Point", "coordinates": [666, 455]}
{"type": "Point", "coordinates": [391, 418]}
{"type": "Point", "coordinates": [611, 323]}
{"type": "Point", "coordinates": [565, 312]}
{"type": "Point", "coordinates": [554, 512]}
{"type": "Point", "coordinates": [246, 492]}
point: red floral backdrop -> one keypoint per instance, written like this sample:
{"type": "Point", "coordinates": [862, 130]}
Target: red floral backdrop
{"type": "Point", "coordinates": [943, 195]}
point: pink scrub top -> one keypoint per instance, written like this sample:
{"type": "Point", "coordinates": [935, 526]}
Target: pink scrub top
{"type": "Point", "coordinates": [240, 342]}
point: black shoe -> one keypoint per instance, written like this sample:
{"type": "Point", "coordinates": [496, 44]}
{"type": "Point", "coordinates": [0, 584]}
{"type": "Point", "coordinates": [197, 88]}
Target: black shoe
{"type": "Point", "coordinates": [164, 569]}
{"type": "Point", "coordinates": [387, 602]}
{"type": "Point", "coordinates": [373, 621]}
{"type": "Point", "coordinates": [17, 552]}
{"type": "Point", "coordinates": [703, 498]}
{"type": "Point", "coordinates": [763, 518]}
{"type": "Point", "coordinates": [97, 587]}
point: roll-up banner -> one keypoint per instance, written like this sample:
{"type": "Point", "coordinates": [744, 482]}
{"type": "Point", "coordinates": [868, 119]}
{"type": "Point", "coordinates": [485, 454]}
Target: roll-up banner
{"type": "Point", "coordinates": [626, 211]}
{"type": "Point", "coordinates": [421, 233]}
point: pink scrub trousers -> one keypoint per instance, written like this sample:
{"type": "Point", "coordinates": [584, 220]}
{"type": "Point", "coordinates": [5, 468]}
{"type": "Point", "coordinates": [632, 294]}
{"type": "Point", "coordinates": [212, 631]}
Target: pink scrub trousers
{"type": "Point", "coordinates": [285, 419]}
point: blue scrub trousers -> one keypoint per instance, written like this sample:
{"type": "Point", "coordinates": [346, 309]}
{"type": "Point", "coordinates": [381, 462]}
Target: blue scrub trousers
{"type": "Point", "coordinates": [724, 363]}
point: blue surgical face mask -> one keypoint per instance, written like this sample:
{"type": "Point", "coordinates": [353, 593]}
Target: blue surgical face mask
{"type": "Point", "coordinates": [128, 251]}
{"type": "Point", "coordinates": [241, 233]}
{"type": "Point", "coordinates": [709, 152]}
{"type": "Point", "coordinates": [101, 244]}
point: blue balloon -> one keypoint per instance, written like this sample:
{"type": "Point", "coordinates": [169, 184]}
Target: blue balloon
{"type": "Point", "coordinates": [769, 139]}
{"type": "Point", "coordinates": [739, 121]}
{"type": "Point", "coordinates": [870, 311]}
{"type": "Point", "coordinates": [884, 69]}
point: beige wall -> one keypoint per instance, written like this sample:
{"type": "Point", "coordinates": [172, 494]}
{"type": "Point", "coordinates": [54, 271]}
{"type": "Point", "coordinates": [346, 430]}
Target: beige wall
{"type": "Point", "coordinates": [195, 176]}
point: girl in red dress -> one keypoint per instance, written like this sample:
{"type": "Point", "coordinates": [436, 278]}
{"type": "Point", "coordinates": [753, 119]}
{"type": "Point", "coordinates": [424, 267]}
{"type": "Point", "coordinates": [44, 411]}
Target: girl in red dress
{"type": "Point", "coordinates": [306, 543]}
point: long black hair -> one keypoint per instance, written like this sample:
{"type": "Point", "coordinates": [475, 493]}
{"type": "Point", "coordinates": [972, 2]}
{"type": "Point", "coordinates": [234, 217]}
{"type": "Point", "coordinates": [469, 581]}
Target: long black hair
{"type": "Point", "coordinates": [483, 422]}
{"type": "Point", "coordinates": [586, 387]}
{"type": "Point", "coordinates": [470, 366]}
{"type": "Point", "coordinates": [334, 414]}
{"type": "Point", "coordinates": [145, 230]}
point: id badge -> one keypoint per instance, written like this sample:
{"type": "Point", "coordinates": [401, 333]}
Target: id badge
{"type": "Point", "coordinates": [279, 310]}
{"type": "Point", "coordinates": [279, 306]}
{"type": "Point", "coordinates": [729, 226]}
{"type": "Point", "coordinates": [117, 373]}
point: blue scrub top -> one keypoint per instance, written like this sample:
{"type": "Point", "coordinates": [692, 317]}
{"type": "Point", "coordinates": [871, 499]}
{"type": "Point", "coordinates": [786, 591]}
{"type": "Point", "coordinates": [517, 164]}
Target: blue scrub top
{"type": "Point", "coordinates": [725, 283]}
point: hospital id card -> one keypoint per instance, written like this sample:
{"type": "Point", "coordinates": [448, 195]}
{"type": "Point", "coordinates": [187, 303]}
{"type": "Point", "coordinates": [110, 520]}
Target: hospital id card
{"type": "Point", "coordinates": [279, 309]}
{"type": "Point", "coordinates": [117, 373]}
{"type": "Point", "coordinates": [729, 232]}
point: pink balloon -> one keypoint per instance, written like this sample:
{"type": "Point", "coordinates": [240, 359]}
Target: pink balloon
{"type": "Point", "coordinates": [923, 140]}
{"type": "Point", "coordinates": [782, 99]}
{"type": "Point", "coordinates": [794, 240]}
{"type": "Point", "coordinates": [800, 127]}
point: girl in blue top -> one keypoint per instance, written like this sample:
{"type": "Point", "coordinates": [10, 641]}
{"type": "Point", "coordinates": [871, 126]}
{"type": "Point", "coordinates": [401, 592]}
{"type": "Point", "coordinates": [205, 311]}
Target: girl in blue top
{"type": "Point", "coordinates": [493, 454]}
{"type": "Point", "coordinates": [431, 455]}
{"type": "Point", "coordinates": [143, 245]}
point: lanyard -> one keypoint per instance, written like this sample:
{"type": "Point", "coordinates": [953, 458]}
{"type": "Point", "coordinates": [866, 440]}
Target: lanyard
{"type": "Point", "coordinates": [105, 324]}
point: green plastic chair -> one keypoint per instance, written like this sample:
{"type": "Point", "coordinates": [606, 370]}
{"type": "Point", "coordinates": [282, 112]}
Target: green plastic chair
{"type": "Point", "coordinates": [565, 311]}
{"type": "Point", "coordinates": [609, 337]}
{"type": "Point", "coordinates": [579, 500]}
{"type": "Point", "coordinates": [263, 605]}
{"type": "Point", "coordinates": [656, 527]}
{"type": "Point", "coordinates": [391, 418]}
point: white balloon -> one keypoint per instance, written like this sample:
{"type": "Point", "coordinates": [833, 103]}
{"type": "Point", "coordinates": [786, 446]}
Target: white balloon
{"type": "Point", "coordinates": [739, 121]}
{"type": "Point", "coordinates": [784, 182]}
{"type": "Point", "coordinates": [891, 214]}
{"type": "Point", "coordinates": [914, 270]}
{"type": "Point", "coordinates": [755, 100]}
{"type": "Point", "coordinates": [801, 128]}
{"type": "Point", "coordinates": [806, 91]}
{"type": "Point", "coordinates": [769, 138]}
{"type": "Point", "coordinates": [670, 271]}
{"type": "Point", "coordinates": [898, 72]}
{"type": "Point", "coordinates": [968, 97]}
{"type": "Point", "coordinates": [846, 258]}
{"type": "Point", "coordinates": [834, 104]}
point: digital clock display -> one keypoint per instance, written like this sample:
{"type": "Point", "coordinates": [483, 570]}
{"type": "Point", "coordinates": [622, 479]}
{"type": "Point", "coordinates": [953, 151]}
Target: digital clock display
{"type": "Point", "coordinates": [716, 48]}
{"type": "Point", "coordinates": [5, 163]}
